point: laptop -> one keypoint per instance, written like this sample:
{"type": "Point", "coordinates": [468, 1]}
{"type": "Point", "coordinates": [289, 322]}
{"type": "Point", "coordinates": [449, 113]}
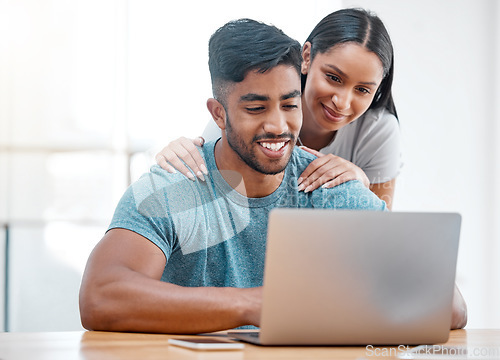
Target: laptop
{"type": "Point", "coordinates": [335, 277]}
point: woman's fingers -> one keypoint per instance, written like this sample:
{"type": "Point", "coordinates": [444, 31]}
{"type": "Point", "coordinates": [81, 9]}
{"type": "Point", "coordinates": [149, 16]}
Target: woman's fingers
{"type": "Point", "coordinates": [186, 150]}
{"type": "Point", "coordinates": [162, 161]}
{"type": "Point", "coordinates": [173, 158]}
{"type": "Point", "coordinates": [199, 141]}
{"type": "Point", "coordinates": [183, 156]}
{"type": "Point", "coordinates": [314, 167]}
{"type": "Point", "coordinates": [329, 171]}
{"type": "Point", "coordinates": [345, 177]}
{"type": "Point", "coordinates": [312, 151]}
{"type": "Point", "coordinates": [331, 179]}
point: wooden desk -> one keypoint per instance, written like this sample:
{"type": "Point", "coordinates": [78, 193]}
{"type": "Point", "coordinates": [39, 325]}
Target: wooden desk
{"type": "Point", "coordinates": [124, 346]}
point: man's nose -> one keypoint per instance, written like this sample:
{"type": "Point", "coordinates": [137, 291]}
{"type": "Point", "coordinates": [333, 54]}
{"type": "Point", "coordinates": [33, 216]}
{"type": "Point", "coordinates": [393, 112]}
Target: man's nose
{"type": "Point", "coordinates": [276, 123]}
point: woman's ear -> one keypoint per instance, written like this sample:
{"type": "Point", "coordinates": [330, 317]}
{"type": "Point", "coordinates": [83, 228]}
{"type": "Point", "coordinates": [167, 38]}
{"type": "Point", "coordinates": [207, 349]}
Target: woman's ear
{"type": "Point", "coordinates": [306, 58]}
{"type": "Point", "coordinates": [218, 112]}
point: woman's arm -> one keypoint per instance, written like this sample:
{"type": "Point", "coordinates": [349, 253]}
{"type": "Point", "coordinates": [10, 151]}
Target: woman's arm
{"type": "Point", "coordinates": [385, 191]}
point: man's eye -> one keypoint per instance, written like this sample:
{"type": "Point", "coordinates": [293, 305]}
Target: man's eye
{"type": "Point", "coordinates": [255, 109]}
{"type": "Point", "coordinates": [290, 106]}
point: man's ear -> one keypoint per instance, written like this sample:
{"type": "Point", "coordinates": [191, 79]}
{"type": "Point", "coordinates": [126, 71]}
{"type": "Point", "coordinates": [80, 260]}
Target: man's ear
{"type": "Point", "coordinates": [306, 58]}
{"type": "Point", "coordinates": [218, 112]}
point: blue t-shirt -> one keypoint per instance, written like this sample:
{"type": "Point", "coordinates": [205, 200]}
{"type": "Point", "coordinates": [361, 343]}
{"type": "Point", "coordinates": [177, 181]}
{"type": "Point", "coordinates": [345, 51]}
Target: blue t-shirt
{"type": "Point", "coordinates": [210, 234]}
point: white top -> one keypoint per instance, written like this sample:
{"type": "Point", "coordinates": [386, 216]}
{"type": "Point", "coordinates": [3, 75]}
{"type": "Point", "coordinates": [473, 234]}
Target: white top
{"type": "Point", "coordinates": [372, 142]}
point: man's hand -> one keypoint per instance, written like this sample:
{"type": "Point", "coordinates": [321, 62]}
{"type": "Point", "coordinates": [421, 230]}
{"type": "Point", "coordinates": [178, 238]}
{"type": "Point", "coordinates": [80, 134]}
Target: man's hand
{"type": "Point", "coordinates": [254, 305]}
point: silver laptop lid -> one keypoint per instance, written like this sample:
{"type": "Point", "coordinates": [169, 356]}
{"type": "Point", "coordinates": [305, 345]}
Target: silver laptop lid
{"type": "Point", "coordinates": [356, 277]}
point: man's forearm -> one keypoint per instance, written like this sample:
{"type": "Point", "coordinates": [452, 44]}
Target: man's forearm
{"type": "Point", "coordinates": [141, 304]}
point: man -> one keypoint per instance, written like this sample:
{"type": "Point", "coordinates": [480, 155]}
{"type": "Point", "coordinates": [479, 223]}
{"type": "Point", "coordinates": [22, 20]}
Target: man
{"type": "Point", "coordinates": [188, 257]}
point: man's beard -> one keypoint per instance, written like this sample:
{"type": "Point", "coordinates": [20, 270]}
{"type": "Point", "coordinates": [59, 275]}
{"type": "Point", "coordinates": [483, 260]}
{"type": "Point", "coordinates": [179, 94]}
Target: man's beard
{"type": "Point", "coordinates": [248, 155]}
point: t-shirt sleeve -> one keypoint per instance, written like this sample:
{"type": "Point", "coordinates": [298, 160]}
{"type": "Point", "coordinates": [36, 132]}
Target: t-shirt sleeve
{"type": "Point", "coordinates": [379, 149]}
{"type": "Point", "coordinates": [143, 210]}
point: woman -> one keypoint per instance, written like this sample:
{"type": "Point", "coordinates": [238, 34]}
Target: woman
{"type": "Point", "coordinates": [349, 118]}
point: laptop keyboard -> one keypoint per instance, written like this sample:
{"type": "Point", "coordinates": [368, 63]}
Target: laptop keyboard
{"type": "Point", "coordinates": [247, 334]}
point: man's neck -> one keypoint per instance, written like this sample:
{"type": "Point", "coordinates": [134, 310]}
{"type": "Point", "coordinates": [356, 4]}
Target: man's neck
{"type": "Point", "coordinates": [245, 180]}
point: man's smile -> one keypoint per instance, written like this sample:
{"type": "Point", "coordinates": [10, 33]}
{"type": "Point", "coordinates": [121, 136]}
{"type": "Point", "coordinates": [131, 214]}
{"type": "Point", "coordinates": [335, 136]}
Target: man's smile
{"type": "Point", "coordinates": [274, 146]}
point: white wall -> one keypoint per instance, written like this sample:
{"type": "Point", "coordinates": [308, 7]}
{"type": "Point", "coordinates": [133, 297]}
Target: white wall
{"type": "Point", "coordinates": [495, 280]}
{"type": "Point", "coordinates": [2, 278]}
{"type": "Point", "coordinates": [447, 96]}
{"type": "Point", "coordinates": [168, 78]}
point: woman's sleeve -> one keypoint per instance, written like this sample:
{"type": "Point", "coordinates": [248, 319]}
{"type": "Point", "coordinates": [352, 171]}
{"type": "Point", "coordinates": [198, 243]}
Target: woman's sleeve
{"type": "Point", "coordinates": [211, 132]}
{"type": "Point", "coordinates": [379, 149]}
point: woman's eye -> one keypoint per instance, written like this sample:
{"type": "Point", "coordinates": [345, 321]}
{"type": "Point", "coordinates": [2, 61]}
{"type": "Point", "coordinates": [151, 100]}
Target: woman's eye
{"type": "Point", "coordinates": [333, 77]}
{"type": "Point", "coordinates": [364, 90]}
{"type": "Point", "coordinates": [290, 106]}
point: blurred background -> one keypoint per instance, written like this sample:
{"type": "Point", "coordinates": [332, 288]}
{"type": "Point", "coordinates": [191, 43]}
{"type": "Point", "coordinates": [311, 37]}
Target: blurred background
{"type": "Point", "coordinates": [91, 89]}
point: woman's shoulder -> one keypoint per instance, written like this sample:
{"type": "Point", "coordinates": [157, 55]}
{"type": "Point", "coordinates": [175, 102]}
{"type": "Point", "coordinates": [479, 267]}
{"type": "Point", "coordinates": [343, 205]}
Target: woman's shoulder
{"type": "Point", "coordinates": [374, 121]}
{"type": "Point", "coordinates": [372, 142]}
{"type": "Point", "coordinates": [374, 127]}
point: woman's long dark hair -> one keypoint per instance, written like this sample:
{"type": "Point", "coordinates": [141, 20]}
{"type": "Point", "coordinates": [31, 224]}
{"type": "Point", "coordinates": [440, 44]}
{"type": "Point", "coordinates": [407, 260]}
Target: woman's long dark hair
{"type": "Point", "coordinates": [366, 29]}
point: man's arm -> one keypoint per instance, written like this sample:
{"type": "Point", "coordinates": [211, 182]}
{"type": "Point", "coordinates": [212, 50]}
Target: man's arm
{"type": "Point", "coordinates": [121, 291]}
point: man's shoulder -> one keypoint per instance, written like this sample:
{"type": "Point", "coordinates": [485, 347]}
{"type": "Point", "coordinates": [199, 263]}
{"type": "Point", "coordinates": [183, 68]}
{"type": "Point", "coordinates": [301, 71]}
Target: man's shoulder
{"type": "Point", "coordinates": [300, 159]}
{"type": "Point", "coordinates": [349, 195]}
{"type": "Point", "coordinates": [157, 178]}
{"type": "Point", "coordinates": [159, 182]}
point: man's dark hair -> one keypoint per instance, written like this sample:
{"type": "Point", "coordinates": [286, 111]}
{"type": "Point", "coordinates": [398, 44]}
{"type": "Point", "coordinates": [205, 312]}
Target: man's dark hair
{"type": "Point", "coordinates": [246, 45]}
